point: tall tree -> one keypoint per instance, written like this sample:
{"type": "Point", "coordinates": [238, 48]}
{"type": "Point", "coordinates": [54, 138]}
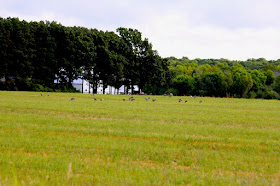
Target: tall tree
{"type": "Point", "coordinates": [242, 81]}
{"type": "Point", "coordinates": [132, 38]}
{"type": "Point", "coordinates": [43, 62]}
{"type": "Point", "coordinates": [270, 78]}
{"type": "Point", "coordinates": [3, 48]}
{"type": "Point", "coordinates": [276, 85]}
{"type": "Point", "coordinates": [259, 80]}
{"type": "Point", "coordinates": [18, 52]}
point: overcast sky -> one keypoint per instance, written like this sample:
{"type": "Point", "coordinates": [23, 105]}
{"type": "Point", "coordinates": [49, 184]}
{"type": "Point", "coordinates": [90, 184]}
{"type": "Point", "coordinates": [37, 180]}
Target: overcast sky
{"type": "Point", "coordinates": [232, 29]}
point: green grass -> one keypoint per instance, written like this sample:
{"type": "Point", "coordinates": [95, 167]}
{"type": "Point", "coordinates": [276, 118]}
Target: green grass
{"type": "Point", "coordinates": [50, 140]}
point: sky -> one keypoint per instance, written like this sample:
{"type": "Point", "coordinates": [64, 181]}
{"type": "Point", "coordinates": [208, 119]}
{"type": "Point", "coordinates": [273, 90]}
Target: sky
{"type": "Point", "coordinates": [231, 29]}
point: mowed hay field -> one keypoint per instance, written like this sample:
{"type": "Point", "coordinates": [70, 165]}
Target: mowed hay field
{"type": "Point", "coordinates": [51, 140]}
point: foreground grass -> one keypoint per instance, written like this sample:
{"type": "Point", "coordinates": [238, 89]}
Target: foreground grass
{"type": "Point", "coordinates": [51, 140]}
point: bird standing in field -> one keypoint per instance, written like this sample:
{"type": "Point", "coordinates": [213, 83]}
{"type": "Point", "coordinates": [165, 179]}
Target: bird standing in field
{"type": "Point", "coordinates": [123, 99]}
{"type": "Point", "coordinates": [147, 99]}
{"type": "Point", "coordinates": [154, 100]}
{"type": "Point", "coordinates": [94, 98]}
{"type": "Point", "coordinates": [71, 99]}
{"type": "Point", "coordinates": [200, 101]}
{"type": "Point", "coordinates": [132, 99]}
{"type": "Point", "coordinates": [180, 100]}
{"type": "Point", "coordinates": [102, 99]}
{"type": "Point", "coordinates": [186, 101]}
{"type": "Point", "coordinates": [41, 94]}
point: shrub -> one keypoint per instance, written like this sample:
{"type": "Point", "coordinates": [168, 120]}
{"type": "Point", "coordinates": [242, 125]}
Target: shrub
{"type": "Point", "coordinates": [252, 94]}
{"type": "Point", "coordinates": [270, 95]}
{"type": "Point", "coordinates": [172, 90]}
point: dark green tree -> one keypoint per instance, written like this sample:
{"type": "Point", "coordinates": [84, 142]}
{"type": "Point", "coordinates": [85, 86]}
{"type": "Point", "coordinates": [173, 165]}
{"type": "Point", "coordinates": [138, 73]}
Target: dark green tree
{"type": "Point", "coordinates": [259, 80]}
{"type": "Point", "coordinates": [270, 78]}
{"type": "Point", "coordinates": [242, 81]}
{"type": "Point", "coordinates": [276, 85]}
{"type": "Point", "coordinates": [183, 83]}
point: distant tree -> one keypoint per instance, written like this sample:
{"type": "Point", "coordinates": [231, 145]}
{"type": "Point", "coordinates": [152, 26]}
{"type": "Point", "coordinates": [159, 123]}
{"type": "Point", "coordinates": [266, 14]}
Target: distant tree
{"type": "Point", "coordinates": [213, 84]}
{"type": "Point", "coordinates": [183, 83]}
{"type": "Point", "coordinates": [259, 80]}
{"type": "Point", "coordinates": [3, 48]}
{"type": "Point", "coordinates": [69, 53]}
{"type": "Point", "coordinates": [43, 62]}
{"type": "Point", "coordinates": [143, 62]}
{"type": "Point", "coordinates": [117, 53]}
{"type": "Point", "coordinates": [270, 78]}
{"type": "Point", "coordinates": [228, 83]}
{"type": "Point", "coordinates": [17, 51]}
{"type": "Point", "coordinates": [276, 85]}
{"type": "Point", "coordinates": [242, 80]}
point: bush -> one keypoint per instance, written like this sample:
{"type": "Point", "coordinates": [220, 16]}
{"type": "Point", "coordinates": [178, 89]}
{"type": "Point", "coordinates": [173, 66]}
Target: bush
{"type": "Point", "coordinates": [154, 89]}
{"type": "Point", "coordinates": [172, 90]}
{"type": "Point", "coordinates": [2, 85]}
{"type": "Point", "coordinates": [38, 88]}
{"type": "Point", "coordinates": [259, 94]}
{"type": "Point", "coordinates": [270, 95]}
{"type": "Point", "coordinates": [202, 92]}
{"type": "Point", "coordinates": [252, 94]}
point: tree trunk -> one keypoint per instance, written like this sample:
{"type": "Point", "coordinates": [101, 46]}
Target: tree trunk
{"type": "Point", "coordinates": [7, 81]}
{"type": "Point", "coordinates": [126, 91]}
{"type": "Point", "coordinates": [70, 81]}
{"type": "Point", "coordinates": [132, 89]}
{"type": "Point", "coordinates": [82, 85]}
{"type": "Point", "coordinates": [103, 89]}
{"type": "Point", "coordinates": [88, 87]}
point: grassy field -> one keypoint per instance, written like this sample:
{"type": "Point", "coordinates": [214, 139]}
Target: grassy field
{"type": "Point", "coordinates": [51, 140]}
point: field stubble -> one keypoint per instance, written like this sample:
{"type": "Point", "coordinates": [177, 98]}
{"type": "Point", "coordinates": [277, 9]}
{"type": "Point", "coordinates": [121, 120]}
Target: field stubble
{"type": "Point", "coordinates": [52, 140]}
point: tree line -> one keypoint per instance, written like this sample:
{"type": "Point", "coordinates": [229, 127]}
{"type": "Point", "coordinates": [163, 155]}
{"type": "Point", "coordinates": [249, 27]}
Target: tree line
{"type": "Point", "coordinates": [47, 56]}
{"type": "Point", "coordinates": [254, 78]}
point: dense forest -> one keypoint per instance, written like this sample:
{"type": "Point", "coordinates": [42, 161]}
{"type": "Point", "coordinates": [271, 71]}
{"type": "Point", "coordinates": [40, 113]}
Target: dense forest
{"type": "Point", "coordinates": [47, 56]}
{"type": "Point", "coordinates": [254, 78]}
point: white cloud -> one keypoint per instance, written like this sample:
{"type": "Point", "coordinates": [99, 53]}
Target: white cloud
{"type": "Point", "coordinates": [45, 16]}
{"type": "Point", "coordinates": [172, 38]}
{"type": "Point", "coordinates": [233, 29]}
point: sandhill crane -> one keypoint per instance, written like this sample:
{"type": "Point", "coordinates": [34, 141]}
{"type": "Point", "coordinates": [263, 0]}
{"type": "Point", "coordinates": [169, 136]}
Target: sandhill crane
{"type": "Point", "coordinates": [154, 100]}
{"type": "Point", "coordinates": [200, 101]}
{"type": "Point", "coordinates": [147, 99]}
{"type": "Point", "coordinates": [123, 99]}
{"type": "Point", "coordinates": [102, 99]}
{"type": "Point", "coordinates": [94, 98]}
{"type": "Point", "coordinates": [48, 95]}
{"type": "Point", "coordinates": [130, 98]}
{"type": "Point", "coordinates": [71, 99]}
{"type": "Point", "coordinates": [41, 94]}
{"type": "Point", "coordinates": [186, 101]}
{"type": "Point", "coordinates": [180, 100]}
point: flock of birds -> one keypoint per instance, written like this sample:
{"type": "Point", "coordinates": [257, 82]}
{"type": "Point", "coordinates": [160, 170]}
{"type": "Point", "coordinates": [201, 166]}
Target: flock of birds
{"type": "Point", "coordinates": [132, 98]}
